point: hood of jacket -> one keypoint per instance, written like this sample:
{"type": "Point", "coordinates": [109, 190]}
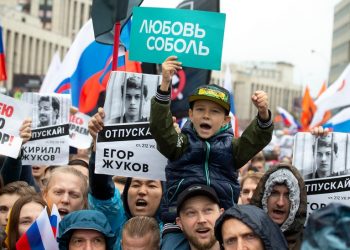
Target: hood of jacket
{"type": "Point", "coordinates": [328, 228]}
{"type": "Point", "coordinates": [258, 221]}
{"type": "Point", "coordinates": [84, 219]}
{"type": "Point", "coordinates": [287, 174]}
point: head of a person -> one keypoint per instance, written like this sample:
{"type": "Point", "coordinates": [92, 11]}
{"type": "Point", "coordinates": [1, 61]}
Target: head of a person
{"type": "Point", "coordinates": [49, 109]}
{"type": "Point", "coordinates": [281, 198]}
{"type": "Point", "coordinates": [85, 229]}
{"type": "Point", "coordinates": [209, 110]}
{"type": "Point", "coordinates": [326, 152]}
{"type": "Point", "coordinates": [142, 233]}
{"type": "Point", "coordinates": [81, 163]}
{"type": "Point", "coordinates": [258, 162]}
{"type": "Point", "coordinates": [135, 96]}
{"type": "Point", "coordinates": [9, 194]}
{"type": "Point", "coordinates": [67, 188]}
{"type": "Point", "coordinates": [248, 227]}
{"type": "Point", "coordinates": [249, 183]}
{"type": "Point", "coordinates": [142, 197]}
{"type": "Point", "coordinates": [23, 213]}
{"type": "Point", "coordinates": [197, 210]}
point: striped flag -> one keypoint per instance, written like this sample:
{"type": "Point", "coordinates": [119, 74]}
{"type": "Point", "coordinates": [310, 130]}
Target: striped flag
{"type": "Point", "coordinates": [336, 96]}
{"type": "Point", "coordinates": [340, 122]}
{"type": "Point", "coordinates": [288, 119]}
{"type": "Point", "coordinates": [55, 220]}
{"type": "Point", "coordinates": [3, 75]}
{"type": "Point", "coordinates": [39, 236]}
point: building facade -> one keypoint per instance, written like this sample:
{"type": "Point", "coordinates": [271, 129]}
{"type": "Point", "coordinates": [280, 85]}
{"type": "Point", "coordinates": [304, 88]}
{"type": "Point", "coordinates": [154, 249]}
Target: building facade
{"type": "Point", "coordinates": [34, 30]}
{"type": "Point", "coordinates": [276, 79]}
{"type": "Point", "coordinates": [341, 40]}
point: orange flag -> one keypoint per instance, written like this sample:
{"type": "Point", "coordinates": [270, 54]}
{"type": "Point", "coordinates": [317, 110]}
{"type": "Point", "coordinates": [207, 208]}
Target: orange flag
{"type": "Point", "coordinates": [308, 109]}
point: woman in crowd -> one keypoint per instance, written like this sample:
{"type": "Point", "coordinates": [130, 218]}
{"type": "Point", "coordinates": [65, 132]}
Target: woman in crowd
{"type": "Point", "coordinates": [24, 212]}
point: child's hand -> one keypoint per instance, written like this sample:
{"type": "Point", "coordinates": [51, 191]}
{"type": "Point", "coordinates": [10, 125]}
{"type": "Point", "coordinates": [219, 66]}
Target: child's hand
{"type": "Point", "coordinates": [261, 102]}
{"type": "Point", "coordinates": [319, 131]}
{"type": "Point", "coordinates": [176, 125]}
{"type": "Point", "coordinates": [25, 131]}
{"type": "Point", "coordinates": [169, 68]}
{"type": "Point", "coordinates": [96, 124]}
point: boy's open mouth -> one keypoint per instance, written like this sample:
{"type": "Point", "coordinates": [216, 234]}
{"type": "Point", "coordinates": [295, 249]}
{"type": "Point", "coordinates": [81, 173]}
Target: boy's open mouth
{"type": "Point", "coordinates": [204, 126]}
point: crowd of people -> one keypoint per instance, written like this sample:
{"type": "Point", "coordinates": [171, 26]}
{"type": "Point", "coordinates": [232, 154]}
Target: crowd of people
{"type": "Point", "coordinates": [219, 193]}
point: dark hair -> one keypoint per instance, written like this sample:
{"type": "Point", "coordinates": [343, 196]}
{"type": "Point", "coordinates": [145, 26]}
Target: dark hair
{"type": "Point", "coordinates": [54, 102]}
{"type": "Point", "coordinates": [326, 141]}
{"type": "Point", "coordinates": [134, 82]}
{"type": "Point", "coordinates": [13, 234]}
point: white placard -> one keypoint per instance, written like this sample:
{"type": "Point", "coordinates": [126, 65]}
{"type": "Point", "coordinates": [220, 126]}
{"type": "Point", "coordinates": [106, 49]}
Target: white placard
{"type": "Point", "coordinates": [324, 162]}
{"type": "Point", "coordinates": [79, 136]}
{"type": "Point", "coordinates": [12, 114]}
{"type": "Point", "coordinates": [49, 144]}
{"type": "Point", "coordinates": [129, 150]}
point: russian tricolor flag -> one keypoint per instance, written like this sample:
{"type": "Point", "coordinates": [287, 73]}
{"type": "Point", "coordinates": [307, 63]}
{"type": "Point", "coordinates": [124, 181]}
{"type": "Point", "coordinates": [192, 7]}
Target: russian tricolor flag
{"type": "Point", "coordinates": [288, 119]}
{"type": "Point", "coordinates": [39, 236]}
{"type": "Point", "coordinates": [3, 75]}
{"type": "Point", "coordinates": [55, 220]}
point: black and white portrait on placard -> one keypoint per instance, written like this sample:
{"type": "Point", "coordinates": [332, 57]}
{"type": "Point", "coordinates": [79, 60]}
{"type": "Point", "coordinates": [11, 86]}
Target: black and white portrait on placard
{"type": "Point", "coordinates": [322, 157]}
{"type": "Point", "coordinates": [128, 97]}
{"type": "Point", "coordinates": [49, 109]}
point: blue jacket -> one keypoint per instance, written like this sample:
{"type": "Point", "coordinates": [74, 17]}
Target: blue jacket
{"type": "Point", "coordinates": [104, 197]}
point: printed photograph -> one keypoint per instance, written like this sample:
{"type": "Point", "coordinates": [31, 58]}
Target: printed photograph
{"type": "Point", "coordinates": [322, 157]}
{"type": "Point", "coordinates": [48, 110]}
{"type": "Point", "coordinates": [128, 97]}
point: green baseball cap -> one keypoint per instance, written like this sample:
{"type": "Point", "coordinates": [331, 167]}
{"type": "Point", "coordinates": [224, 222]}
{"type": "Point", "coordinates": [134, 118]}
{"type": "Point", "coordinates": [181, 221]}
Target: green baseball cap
{"type": "Point", "coordinates": [214, 93]}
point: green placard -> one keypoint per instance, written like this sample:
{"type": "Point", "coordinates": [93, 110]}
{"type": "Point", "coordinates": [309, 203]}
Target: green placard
{"type": "Point", "coordinates": [196, 37]}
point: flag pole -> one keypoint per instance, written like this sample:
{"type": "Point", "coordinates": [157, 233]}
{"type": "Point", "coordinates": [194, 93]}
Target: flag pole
{"type": "Point", "coordinates": [116, 46]}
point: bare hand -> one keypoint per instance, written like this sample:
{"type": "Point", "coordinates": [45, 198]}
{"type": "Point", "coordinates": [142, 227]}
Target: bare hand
{"type": "Point", "coordinates": [96, 124]}
{"type": "Point", "coordinates": [319, 131]}
{"type": "Point", "coordinates": [261, 102]}
{"type": "Point", "coordinates": [25, 131]}
{"type": "Point", "coordinates": [176, 125]}
{"type": "Point", "coordinates": [169, 67]}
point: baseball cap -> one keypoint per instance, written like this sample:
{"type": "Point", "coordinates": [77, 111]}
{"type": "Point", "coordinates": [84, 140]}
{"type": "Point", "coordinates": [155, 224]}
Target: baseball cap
{"type": "Point", "coordinates": [196, 190]}
{"type": "Point", "coordinates": [214, 93]}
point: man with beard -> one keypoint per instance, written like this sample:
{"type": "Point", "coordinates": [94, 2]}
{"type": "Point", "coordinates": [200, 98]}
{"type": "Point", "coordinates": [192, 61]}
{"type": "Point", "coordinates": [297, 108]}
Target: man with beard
{"type": "Point", "coordinates": [281, 193]}
{"type": "Point", "coordinates": [197, 210]}
{"type": "Point", "coordinates": [248, 227]}
{"type": "Point", "coordinates": [49, 108]}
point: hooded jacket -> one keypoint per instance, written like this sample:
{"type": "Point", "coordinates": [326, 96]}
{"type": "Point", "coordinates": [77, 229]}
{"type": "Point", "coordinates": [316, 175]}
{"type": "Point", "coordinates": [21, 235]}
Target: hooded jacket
{"type": "Point", "coordinates": [84, 219]}
{"type": "Point", "coordinates": [328, 229]}
{"type": "Point", "coordinates": [104, 197]}
{"type": "Point", "coordinates": [258, 221]}
{"type": "Point", "coordinates": [287, 174]}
